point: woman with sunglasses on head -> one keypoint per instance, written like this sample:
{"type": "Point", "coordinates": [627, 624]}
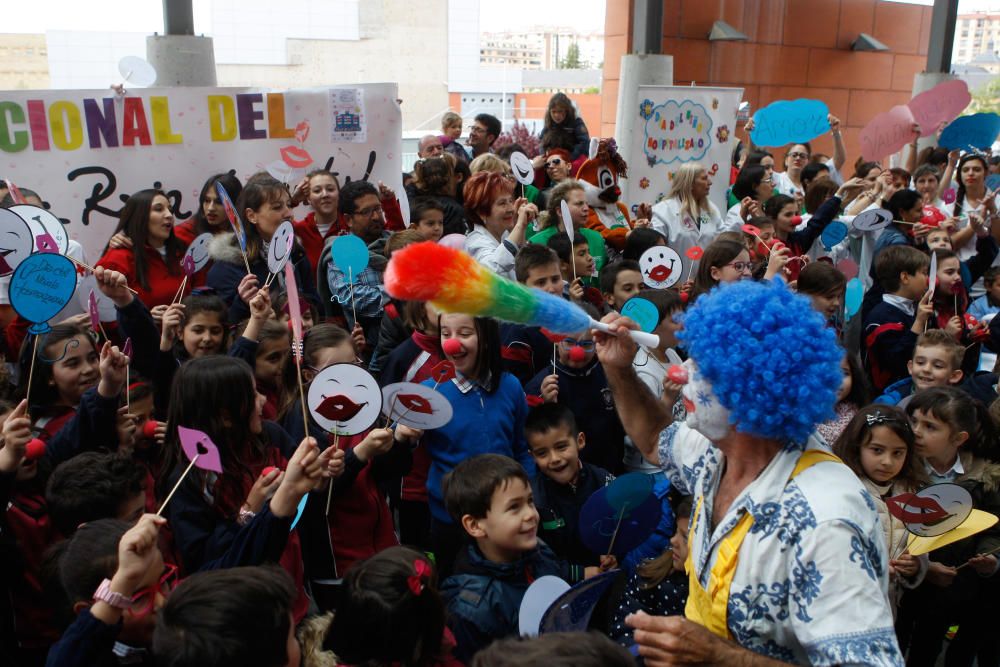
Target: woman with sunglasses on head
{"type": "Point", "coordinates": [558, 168]}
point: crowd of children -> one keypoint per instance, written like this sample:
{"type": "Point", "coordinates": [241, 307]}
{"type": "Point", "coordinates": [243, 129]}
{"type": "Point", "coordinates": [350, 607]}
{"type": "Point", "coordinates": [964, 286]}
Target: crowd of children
{"type": "Point", "coordinates": [420, 544]}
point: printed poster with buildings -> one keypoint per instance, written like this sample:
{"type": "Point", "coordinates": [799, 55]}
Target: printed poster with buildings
{"type": "Point", "coordinates": [347, 111]}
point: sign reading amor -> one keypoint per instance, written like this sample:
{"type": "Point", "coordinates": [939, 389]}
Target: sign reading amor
{"type": "Point", "coordinates": [84, 152]}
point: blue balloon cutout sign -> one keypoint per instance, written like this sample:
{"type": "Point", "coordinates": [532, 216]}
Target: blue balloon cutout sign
{"type": "Point", "coordinates": [852, 299]}
{"type": "Point", "coordinates": [42, 284]}
{"type": "Point", "coordinates": [833, 233]}
{"type": "Point", "coordinates": [350, 255]}
{"type": "Point", "coordinates": [979, 130]}
{"type": "Point", "coordinates": [642, 312]}
{"type": "Point", "coordinates": [787, 122]}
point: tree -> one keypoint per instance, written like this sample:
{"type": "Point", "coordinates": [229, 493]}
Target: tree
{"type": "Point", "coordinates": [572, 59]}
{"type": "Point", "coordinates": [986, 99]}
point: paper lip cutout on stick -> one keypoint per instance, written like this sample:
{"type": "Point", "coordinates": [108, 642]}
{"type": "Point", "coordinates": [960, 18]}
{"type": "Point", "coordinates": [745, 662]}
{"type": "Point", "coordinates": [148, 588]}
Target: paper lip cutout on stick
{"type": "Point", "coordinates": [567, 220]}
{"type": "Point", "coordinates": [198, 250]}
{"type": "Point", "coordinates": [853, 296]}
{"type": "Point", "coordinates": [790, 122]}
{"type": "Point", "coordinates": [348, 395]}
{"type": "Point", "coordinates": [94, 312]}
{"type": "Point", "coordinates": [833, 233]}
{"type": "Point", "coordinates": [978, 131]}
{"type": "Point", "coordinates": [280, 248]}
{"type": "Point", "coordinates": [536, 601]}
{"type": "Point", "coordinates": [40, 287]}
{"type": "Point", "coordinates": [872, 220]}
{"type": "Point", "coordinates": [660, 267]}
{"type": "Point", "coordinates": [523, 170]}
{"type": "Point", "coordinates": [932, 511]}
{"type": "Point", "coordinates": [443, 371]}
{"type": "Point", "coordinates": [887, 133]}
{"type": "Point", "coordinates": [933, 274]}
{"type": "Point", "coordinates": [46, 228]}
{"type": "Point", "coordinates": [572, 610]}
{"type": "Point", "coordinates": [350, 256]}
{"type": "Point", "coordinates": [415, 405]}
{"type": "Point", "coordinates": [641, 311]}
{"type": "Point", "coordinates": [976, 522]}
{"type": "Point", "coordinates": [193, 442]}
{"type": "Point", "coordinates": [16, 241]}
{"type": "Point", "coordinates": [105, 306]}
{"type": "Point", "coordinates": [941, 104]}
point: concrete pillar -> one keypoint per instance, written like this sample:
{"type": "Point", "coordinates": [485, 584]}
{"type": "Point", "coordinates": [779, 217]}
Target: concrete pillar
{"type": "Point", "coordinates": [181, 60]}
{"type": "Point", "coordinates": [638, 70]}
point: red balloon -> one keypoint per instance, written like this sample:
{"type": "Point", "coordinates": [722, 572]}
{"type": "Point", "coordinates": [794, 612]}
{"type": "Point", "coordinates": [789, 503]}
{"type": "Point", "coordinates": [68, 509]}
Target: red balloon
{"type": "Point", "coordinates": [452, 346]}
{"type": "Point", "coordinates": [35, 449]}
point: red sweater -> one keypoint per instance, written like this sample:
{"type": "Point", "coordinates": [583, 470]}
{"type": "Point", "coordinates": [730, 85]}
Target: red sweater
{"type": "Point", "coordinates": [312, 242]}
{"type": "Point", "coordinates": [163, 280]}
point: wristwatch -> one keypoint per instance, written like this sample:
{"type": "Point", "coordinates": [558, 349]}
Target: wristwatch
{"type": "Point", "coordinates": [106, 595]}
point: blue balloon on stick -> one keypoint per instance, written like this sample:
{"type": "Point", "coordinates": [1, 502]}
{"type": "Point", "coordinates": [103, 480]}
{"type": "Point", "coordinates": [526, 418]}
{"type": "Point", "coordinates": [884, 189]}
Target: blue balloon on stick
{"type": "Point", "coordinates": [41, 286]}
{"type": "Point", "coordinates": [852, 299]}
{"type": "Point", "coordinates": [833, 233]}
{"type": "Point", "coordinates": [979, 130]}
{"type": "Point", "coordinates": [790, 121]}
{"type": "Point", "coordinates": [350, 255]}
{"type": "Point", "coordinates": [642, 312]}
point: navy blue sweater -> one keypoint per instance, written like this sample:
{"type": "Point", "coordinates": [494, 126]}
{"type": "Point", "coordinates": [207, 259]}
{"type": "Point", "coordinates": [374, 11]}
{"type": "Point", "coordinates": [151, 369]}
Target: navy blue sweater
{"type": "Point", "coordinates": [888, 342]}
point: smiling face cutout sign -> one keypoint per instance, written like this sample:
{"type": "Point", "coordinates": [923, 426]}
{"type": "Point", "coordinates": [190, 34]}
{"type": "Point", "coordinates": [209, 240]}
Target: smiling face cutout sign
{"type": "Point", "coordinates": [933, 510]}
{"type": "Point", "coordinates": [520, 164]}
{"type": "Point", "coordinates": [198, 250]}
{"type": "Point", "coordinates": [16, 241]}
{"type": "Point", "coordinates": [280, 248]}
{"type": "Point", "coordinates": [415, 405]}
{"type": "Point", "coordinates": [344, 399]}
{"type": "Point", "coordinates": [660, 267]}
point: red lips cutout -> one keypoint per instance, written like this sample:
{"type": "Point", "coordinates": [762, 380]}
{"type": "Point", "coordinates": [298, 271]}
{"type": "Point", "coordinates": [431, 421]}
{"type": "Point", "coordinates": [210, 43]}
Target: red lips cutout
{"type": "Point", "coordinates": [339, 408]}
{"type": "Point", "coordinates": [443, 371]}
{"type": "Point", "coordinates": [930, 514]}
{"type": "Point", "coordinates": [659, 273]}
{"type": "Point", "coordinates": [295, 157]}
{"type": "Point", "coordinates": [415, 403]}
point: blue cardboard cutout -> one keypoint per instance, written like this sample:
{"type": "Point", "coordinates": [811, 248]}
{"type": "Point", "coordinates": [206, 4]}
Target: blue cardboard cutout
{"type": "Point", "coordinates": [599, 519]}
{"type": "Point", "coordinates": [572, 610]}
{"type": "Point", "coordinates": [979, 130]}
{"type": "Point", "coordinates": [41, 286]}
{"type": "Point", "coordinates": [536, 601]}
{"type": "Point", "coordinates": [642, 312]}
{"type": "Point", "coordinates": [790, 121]}
{"type": "Point", "coordinates": [298, 512]}
{"type": "Point", "coordinates": [350, 255]}
{"type": "Point", "coordinates": [852, 299]}
{"type": "Point", "coordinates": [833, 233]}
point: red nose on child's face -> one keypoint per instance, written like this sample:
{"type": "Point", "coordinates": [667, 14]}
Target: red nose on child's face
{"type": "Point", "coordinates": [149, 429]}
{"type": "Point", "coordinates": [577, 354]}
{"type": "Point", "coordinates": [677, 374]}
{"type": "Point", "coordinates": [451, 347]}
{"type": "Point", "coordinates": [35, 449]}
{"type": "Point", "coordinates": [796, 220]}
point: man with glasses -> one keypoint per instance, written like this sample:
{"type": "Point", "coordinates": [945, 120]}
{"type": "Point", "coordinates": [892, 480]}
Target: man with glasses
{"type": "Point", "coordinates": [482, 133]}
{"type": "Point", "coordinates": [360, 296]}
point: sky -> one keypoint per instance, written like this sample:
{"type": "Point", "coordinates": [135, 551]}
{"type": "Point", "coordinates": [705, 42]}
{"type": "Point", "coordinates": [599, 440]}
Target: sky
{"type": "Point", "coordinates": [147, 15]}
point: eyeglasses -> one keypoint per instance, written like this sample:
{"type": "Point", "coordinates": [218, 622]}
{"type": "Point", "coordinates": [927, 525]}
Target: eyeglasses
{"type": "Point", "coordinates": [475, 129]}
{"type": "Point", "coordinates": [370, 211]}
{"type": "Point", "coordinates": [144, 600]}
{"type": "Point", "coordinates": [741, 267]}
{"type": "Point", "coordinates": [554, 162]}
{"type": "Point", "coordinates": [568, 343]}
{"type": "Point", "coordinates": [798, 156]}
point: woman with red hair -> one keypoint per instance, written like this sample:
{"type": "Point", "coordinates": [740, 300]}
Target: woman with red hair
{"type": "Point", "coordinates": [499, 221]}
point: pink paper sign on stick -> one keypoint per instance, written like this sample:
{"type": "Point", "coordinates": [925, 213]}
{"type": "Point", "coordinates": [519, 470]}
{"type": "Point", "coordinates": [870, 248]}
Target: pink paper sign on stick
{"type": "Point", "coordinates": [294, 310]}
{"type": "Point", "coordinates": [940, 104]}
{"type": "Point", "coordinates": [887, 133]}
{"type": "Point", "coordinates": [195, 443]}
{"type": "Point", "coordinates": [95, 313]}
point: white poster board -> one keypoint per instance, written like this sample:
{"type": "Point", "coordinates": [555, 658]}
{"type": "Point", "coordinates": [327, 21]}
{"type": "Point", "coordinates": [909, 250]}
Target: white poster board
{"type": "Point", "coordinates": [679, 124]}
{"type": "Point", "coordinates": [85, 151]}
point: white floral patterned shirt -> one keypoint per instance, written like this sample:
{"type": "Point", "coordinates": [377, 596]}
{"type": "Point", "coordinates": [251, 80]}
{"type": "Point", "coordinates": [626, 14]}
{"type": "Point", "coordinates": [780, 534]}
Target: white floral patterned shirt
{"type": "Point", "coordinates": [810, 585]}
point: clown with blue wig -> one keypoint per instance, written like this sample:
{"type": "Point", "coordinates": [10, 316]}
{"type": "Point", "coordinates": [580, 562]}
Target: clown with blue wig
{"type": "Point", "coordinates": [785, 557]}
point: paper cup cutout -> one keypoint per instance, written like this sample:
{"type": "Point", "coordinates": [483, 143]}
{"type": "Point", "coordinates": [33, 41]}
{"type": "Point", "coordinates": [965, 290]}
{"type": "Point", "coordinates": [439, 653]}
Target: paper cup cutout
{"type": "Point", "coordinates": [49, 233]}
{"type": "Point", "coordinates": [571, 612]}
{"type": "Point", "coordinates": [456, 241]}
{"type": "Point", "coordinates": [848, 267]}
{"type": "Point", "coordinates": [350, 256]}
{"type": "Point", "coordinates": [298, 512]}
{"type": "Point", "coordinates": [873, 220]}
{"type": "Point", "coordinates": [642, 312]}
{"type": "Point", "coordinates": [197, 443]}
{"type": "Point", "coordinates": [16, 241]}
{"type": "Point", "coordinates": [198, 251]}
{"type": "Point", "coordinates": [520, 164]}
{"type": "Point", "coordinates": [567, 218]}
{"type": "Point", "coordinates": [833, 233]}
{"type": "Point", "coordinates": [536, 601]}
{"type": "Point", "coordinates": [932, 272]}
{"type": "Point", "coordinates": [443, 371]}
{"type": "Point", "coordinates": [977, 522]}
{"type": "Point", "coordinates": [932, 511]}
{"type": "Point", "coordinates": [280, 248]}
{"type": "Point", "coordinates": [344, 399]}
{"type": "Point", "coordinates": [853, 297]}
{"type": "Point", "coordinates": [40, 287]}
{"type": "Point", "coordinates": [136, 72]}
{"type": "Point", "coordinates": [660, 267]}
{"type": "Point", "coordinates": [105, 306]}
{"type": "Point", "coordinates": [415, 405]}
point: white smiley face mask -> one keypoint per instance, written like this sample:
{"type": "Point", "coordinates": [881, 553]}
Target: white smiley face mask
{"type": "Point", "coordinates": [704, 412]}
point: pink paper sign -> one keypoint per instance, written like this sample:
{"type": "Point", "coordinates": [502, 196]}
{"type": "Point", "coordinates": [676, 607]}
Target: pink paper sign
{"type": "Point", "coordinates": [887, 133]}
{"type": "Point", "coordinates": [95, 312]}
{"type": "Point", "coordinates": [197, 444]}
{"type": "Point", "coordinates": [940, 104]}
{"type": "Point", "coordinates": [294, 310]}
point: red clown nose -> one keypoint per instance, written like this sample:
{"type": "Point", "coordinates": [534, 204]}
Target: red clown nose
{"type": "Point", "coordinates": [452, 346]}
{"type": "Point", "coordinates": [577, 354]}
{"type": "Point", "coordinates": [35, 449]}
{"type": "Point", "coordinates": [149, 429]}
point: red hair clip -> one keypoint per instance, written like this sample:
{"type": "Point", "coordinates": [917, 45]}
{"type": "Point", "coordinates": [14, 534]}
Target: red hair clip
{"type": "Point", "coordinates": [422, 570]}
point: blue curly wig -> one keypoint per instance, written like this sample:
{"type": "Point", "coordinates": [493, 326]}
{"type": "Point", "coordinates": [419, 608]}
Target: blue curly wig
{"type": "Point", "coordinates": [771, 359]}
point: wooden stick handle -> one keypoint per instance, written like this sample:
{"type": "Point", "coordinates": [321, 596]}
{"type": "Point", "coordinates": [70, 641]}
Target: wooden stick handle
{"type": "Point", "coordinates": [91, 269]}
{"type": "Point", "coordinates": [159, 512]}
{"type": "Point", "coordinates": [988, 553]}
{"type": "Point", "coordinates": [614, 535]}
{"type": "Point", "coordinates": [329, 489]}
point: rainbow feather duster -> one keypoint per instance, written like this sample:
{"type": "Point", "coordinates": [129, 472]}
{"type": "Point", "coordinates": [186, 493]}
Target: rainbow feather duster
{"type": "Point", "coordinates": [456, 283]}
